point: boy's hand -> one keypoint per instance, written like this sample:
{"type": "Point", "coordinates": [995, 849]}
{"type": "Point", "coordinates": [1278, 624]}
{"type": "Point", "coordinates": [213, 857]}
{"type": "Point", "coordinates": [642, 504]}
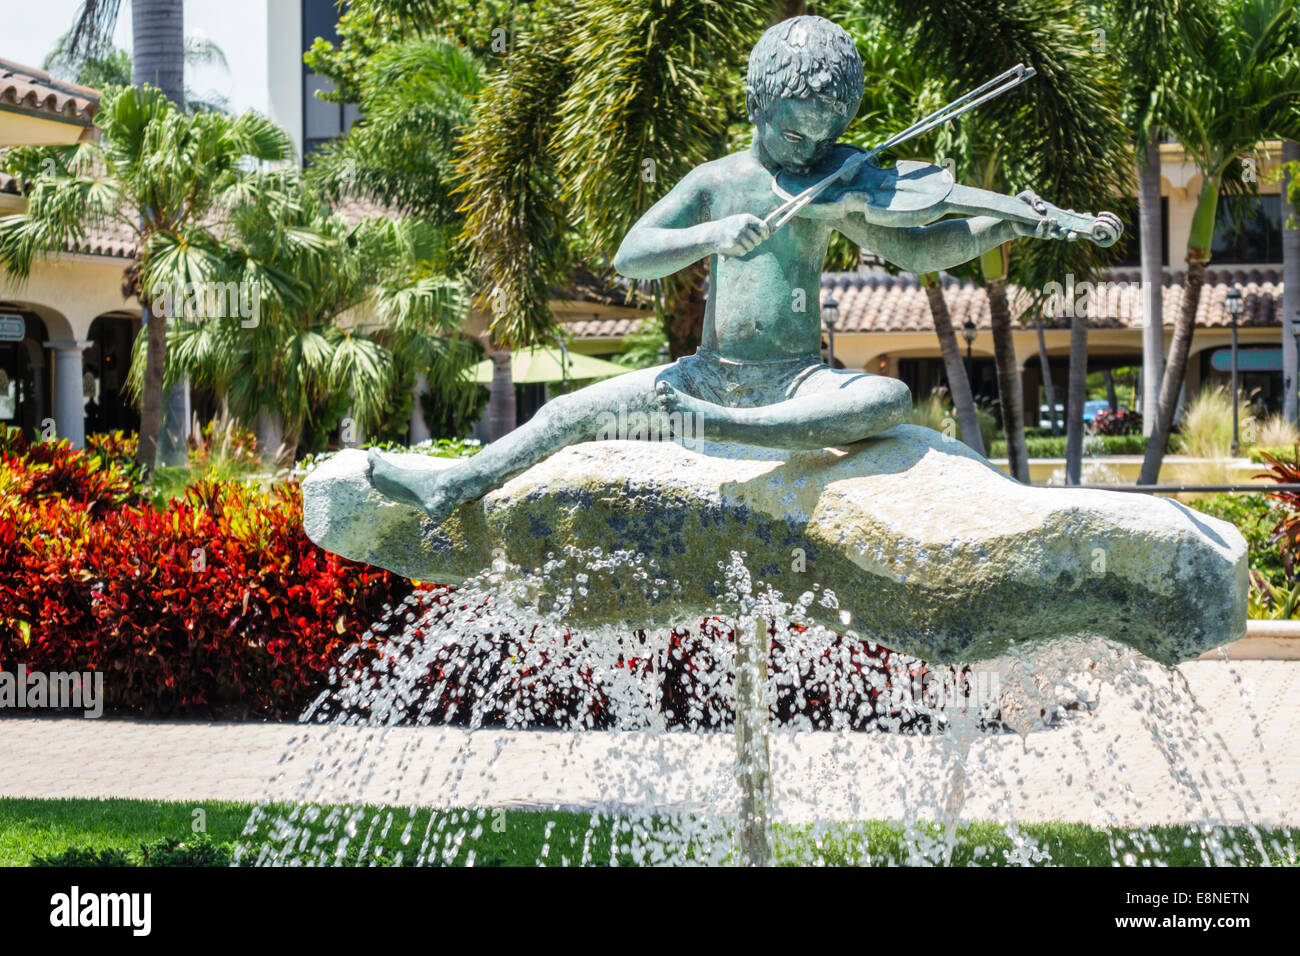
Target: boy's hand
{"type": "Point", "coordinates": [1045, 229]}
{"type": "Point", "coordinates": [737, 235]}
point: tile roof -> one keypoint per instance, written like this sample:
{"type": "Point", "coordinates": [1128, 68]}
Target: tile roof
{"type": "Point", "coordinates": [899, 304]}
{"type": "Point", "coordinates": [602, 327]}
{"type": "Point", "coordinates": [114, 240]}
{"type": "Point", "coordinates": [119, 242]}
{"type": "Point", "coordinates": [30, 90]}
{"type": "Point", "coordinates": [883, 303]}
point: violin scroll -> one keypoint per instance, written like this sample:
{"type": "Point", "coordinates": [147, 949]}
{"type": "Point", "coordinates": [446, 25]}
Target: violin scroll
{"type": "Point", "coordinates": [1107, 229]}
{"type": "Point", "coordinates": [1104, 229]}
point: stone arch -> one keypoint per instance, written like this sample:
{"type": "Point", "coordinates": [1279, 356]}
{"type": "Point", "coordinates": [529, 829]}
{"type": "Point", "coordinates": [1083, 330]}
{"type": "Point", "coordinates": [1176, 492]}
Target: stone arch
{"type": "Point", "coordinates": [57, 325]}
{"type": "Point", "coordinates": [106, 362]}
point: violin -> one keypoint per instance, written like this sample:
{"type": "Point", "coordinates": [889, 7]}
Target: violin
{"type": "Point", "coordinates": [914, 193]}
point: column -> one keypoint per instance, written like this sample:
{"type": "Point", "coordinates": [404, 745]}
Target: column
{"type": "Point", "coordinates": [69, 397]}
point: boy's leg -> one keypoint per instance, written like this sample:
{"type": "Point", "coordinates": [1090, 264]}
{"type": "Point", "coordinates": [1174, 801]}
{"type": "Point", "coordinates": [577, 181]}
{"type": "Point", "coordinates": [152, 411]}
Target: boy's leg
{"type": "Point", "coordinates": [828, 408]}
{"type": "Point", "coordinates": [580, 416]}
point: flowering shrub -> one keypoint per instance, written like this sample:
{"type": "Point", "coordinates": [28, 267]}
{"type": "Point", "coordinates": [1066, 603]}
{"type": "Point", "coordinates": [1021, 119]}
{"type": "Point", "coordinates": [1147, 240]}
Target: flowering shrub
{"type": "Point", "coordinates": [214, 603]}
{"type": "Point", "coordinates": [491, 676]}
{"type": "Point", "coordinates": [101, 478]}
{"type": "Point", "coordinates": [1121, 422]}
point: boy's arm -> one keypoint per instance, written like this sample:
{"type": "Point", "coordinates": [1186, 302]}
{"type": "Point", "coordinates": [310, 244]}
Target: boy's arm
{"type": "Point", "coordinates": [676, 232]}
{"type": "Point", "coordinates": [941, 245]}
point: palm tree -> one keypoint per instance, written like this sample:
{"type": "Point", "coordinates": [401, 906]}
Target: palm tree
{"type": "Point", "coordinates": [963, 399]}
{"type": "Point", "coordinates": [1063, 130]}
{"type": "Point", "coordinates": [597, 109]}
{"type": "Point", "coordinates": [1148, 37]}
{"type": "Point", "coordinates": [156, 172]}
{"type": "Point", "coordinates": [415, 98]}
{"type": "Point", "coordinates": [157, 60]}
{"type": "Point", "coordinates": [298, 360]}
{"type": "Point", "coordinates": [898, 89]}
{"type": "Point", "coordinates": [157, 41]}
{"type": "Point", "coordinates": [102, 64]}
{"type": "Point", "coordinates": [1077, 393]}
{"type": "Point", "coordinates": [1239, 86]}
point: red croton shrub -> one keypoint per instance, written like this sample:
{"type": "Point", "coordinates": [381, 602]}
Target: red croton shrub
{"type": "Point", "coordinates": [215, 604]}
{"type": "Point", "coordinates": [218, 605]}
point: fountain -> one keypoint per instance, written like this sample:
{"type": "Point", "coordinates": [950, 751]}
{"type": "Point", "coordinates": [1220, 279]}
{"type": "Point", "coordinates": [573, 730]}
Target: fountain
{"type": "Point", "coordinates": [786, 508]}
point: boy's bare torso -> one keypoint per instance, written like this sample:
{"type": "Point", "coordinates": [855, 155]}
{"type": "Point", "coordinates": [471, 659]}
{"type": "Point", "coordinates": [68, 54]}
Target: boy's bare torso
{"type": "Point", "coordinates": [766, 304]}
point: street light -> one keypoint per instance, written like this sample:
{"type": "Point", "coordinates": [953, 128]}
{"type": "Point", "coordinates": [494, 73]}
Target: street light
{"type": "Point", "coordinates": [1233, 304]}
{"type": "Point", "coordinates": [968, 332]}
{"type": "Point", "coordinates": [830, 315]}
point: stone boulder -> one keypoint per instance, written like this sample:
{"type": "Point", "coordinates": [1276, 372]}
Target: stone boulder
{"type": "Point", "coordinates": [927, 547]}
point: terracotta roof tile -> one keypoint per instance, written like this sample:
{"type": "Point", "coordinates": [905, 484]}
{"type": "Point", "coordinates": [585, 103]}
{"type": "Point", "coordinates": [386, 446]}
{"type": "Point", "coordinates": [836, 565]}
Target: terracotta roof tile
{"type": "Point", "coordinates": [899, 304]}
{"type": "Point", "coordinates": [34, 91]}
{"type": "Point", "coordinates": [605, 327]}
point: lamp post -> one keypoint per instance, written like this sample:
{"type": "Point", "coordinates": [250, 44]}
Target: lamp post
{"type": "Point", "coordinates": [564, 362]}
{"type": "Point", "coordinates": [830, 314]}
{"type": "Point", "coordinates": [1233, 304]}
{"type": "Point", "coordinates": [968, 332]}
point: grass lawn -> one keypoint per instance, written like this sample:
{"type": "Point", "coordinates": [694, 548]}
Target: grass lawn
{"type": "Point", "coordinates": [48, 827]}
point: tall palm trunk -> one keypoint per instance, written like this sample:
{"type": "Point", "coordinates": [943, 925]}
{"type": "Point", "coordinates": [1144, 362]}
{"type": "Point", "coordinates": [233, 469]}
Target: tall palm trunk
{"type": "Point", "coordinates": [1010, 389]}
{"type": "Point", "coordinates": [1198, 254]}
{"type": "Point", "coordinates": [1290, 284]}
{"type": "Point", "coordinates": [158, 59]}
{"type": "Point", "coordinates": [963, 401]}
{"type": "Point", "coordinates": [151, 401]}
{"type": "Point", "coordinates": [1045, 366]}
{"type": "Point", "coordinates": [1151, 246]}
{"type": "Point", "coordinates": [501, 404]}
{"type": "Point", "coordinates": [158, 46]}
{"type": "Point", "coordinates": [1077, 390]}
{"type": "Point", "coordinates": [993, 266]}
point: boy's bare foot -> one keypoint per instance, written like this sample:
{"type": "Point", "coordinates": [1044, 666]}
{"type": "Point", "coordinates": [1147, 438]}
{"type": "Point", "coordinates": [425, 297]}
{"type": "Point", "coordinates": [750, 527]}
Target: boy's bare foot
{"type": "Point", "coordinates": [426, 490]}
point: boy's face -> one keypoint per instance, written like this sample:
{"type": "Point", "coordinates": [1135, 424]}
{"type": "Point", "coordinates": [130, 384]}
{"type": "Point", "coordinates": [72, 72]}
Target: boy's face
{"type": "Point", "coordinates": [797, 133]}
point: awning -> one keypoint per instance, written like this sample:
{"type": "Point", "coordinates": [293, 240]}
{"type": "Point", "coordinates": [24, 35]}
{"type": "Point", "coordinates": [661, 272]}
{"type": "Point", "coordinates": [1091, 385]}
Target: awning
{"type": "Point", "coordinates": [544, 365]}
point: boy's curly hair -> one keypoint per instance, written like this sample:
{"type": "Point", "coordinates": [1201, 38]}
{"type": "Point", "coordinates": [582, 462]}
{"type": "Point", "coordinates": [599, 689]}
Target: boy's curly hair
{"type": "Point", "coordinates": [802, 58]}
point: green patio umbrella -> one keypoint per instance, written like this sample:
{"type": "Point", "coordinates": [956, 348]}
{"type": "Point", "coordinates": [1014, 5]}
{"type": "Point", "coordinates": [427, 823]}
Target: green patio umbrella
{"type": "Point", "coordinates": [545, 365]}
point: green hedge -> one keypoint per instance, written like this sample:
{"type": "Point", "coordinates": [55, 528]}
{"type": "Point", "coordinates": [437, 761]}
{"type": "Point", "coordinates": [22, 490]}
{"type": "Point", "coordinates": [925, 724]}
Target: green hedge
{"type": "Point", "coordinates": [1054, 447]}
{"type": "Point", "coordinates": [1281, 452]}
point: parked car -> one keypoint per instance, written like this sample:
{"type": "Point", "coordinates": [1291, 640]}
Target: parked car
{"type": "Point", "coordinates": [1090, 410]}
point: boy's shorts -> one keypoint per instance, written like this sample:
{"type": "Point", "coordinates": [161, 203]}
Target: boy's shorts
{"type": "Point", "coordinates": [707, 375]}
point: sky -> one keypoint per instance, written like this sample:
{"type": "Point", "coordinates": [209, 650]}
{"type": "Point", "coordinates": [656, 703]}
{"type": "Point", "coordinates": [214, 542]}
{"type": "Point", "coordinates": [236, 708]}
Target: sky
{"type": "Point", "coordinates": [32, 27]}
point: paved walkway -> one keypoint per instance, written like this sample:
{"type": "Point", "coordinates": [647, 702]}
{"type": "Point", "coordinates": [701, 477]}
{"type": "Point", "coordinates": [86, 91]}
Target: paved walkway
{"type": "Point", "coordinates": [1141, 757]}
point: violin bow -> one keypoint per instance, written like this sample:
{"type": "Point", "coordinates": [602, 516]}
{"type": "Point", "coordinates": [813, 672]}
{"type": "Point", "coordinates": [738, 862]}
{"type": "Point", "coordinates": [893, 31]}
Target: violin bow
{"type": "Point", "coordinates": [1000, 84]}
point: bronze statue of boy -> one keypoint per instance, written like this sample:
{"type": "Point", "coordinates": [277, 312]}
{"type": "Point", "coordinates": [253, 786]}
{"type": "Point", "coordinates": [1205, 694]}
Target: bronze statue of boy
{"type": "Point", "coordinates": [758, 377]}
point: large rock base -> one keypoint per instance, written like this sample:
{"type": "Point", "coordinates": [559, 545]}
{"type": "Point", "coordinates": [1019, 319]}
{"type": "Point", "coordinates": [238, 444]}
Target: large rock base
{"type": "Point", "coordinates": [928, 548]}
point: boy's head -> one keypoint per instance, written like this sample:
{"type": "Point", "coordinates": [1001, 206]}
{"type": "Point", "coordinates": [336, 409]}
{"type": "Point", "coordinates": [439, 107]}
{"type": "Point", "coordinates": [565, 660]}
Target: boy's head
{"type": "Point", "coordinates": [803, 89]}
